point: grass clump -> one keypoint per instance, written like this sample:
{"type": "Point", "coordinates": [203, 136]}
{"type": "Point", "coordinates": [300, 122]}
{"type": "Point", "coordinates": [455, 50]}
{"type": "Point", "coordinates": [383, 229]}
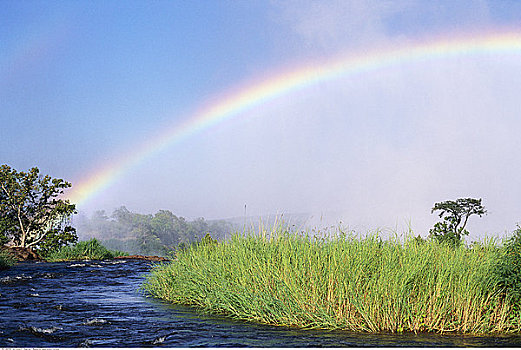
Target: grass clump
{"type": "Point", "coordinates": [343, 282]}
{"type": "Point", "coordinates": [6, 259]}
{"type": "Point", "coordinates": [85, 250]}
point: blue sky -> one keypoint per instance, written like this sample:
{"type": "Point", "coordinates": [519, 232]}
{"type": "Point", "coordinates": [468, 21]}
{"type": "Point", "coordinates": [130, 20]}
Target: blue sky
{"type": "Point", "coordinates": [83, 82]}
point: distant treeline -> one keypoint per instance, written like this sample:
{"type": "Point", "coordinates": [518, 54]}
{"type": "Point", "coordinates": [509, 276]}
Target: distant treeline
{"type": "Point", "coordinates": [148, 234]}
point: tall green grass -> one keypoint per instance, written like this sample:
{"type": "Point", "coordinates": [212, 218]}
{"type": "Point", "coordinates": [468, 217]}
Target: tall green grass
{"type": "Point", "coordinates": [6, 260]}
{"type": "Point", "coordinates": [343, 282]}
{"type": "Point", "coordinates": [85, 250]}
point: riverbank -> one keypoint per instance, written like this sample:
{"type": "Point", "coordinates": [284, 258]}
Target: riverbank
{"type": "Point", "coordinates": [344, 282]}
{"type": "Point", "coordinates": [84, 250]}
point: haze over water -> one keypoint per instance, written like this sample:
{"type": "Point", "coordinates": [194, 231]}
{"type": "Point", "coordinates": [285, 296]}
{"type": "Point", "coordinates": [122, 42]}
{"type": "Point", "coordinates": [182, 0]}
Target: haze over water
{"type": "Point", "coordinates": [86, 86]}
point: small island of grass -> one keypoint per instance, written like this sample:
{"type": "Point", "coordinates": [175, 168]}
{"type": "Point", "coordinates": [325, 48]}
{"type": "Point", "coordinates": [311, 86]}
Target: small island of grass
{"type": "Point", "coordinates": [348, 282]}
{"type": "Point", "coordinates": [83, 250]}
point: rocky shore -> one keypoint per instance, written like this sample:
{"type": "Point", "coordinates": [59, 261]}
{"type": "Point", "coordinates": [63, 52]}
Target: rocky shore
{"type": "Point", "coordinates": [27, 254]}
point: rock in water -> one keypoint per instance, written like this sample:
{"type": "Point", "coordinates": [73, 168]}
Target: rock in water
{"type": "Point", "coordinates": [159, 340]}
{"type": "Point", "coordinates": [95, 321]}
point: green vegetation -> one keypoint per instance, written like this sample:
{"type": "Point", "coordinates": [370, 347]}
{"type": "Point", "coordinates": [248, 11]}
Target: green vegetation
{"type": "Point", "coordinates": [349, 282]}
{"type": "Point", "coordinates": [31, 215]}
{"type": "Point", "coordinates": [509, 268]}
{"type": "Point", "coordinates": [6, 260]}
{"type": "Point", "coordinates": [156, 234]}
{"type": "Point", "coordinates": [85, 250]}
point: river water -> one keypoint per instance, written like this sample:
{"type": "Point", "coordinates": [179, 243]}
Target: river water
{"type": "Point", "coordinates": [99, 304]}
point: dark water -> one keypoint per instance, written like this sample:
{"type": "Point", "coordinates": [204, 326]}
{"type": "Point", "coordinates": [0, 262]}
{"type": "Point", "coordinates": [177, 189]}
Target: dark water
{"type": "Point", "coordinates": [98, 304]}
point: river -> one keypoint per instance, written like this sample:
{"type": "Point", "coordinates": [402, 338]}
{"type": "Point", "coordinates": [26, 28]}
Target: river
{"type": "Point", "coordinates": [99, 304]}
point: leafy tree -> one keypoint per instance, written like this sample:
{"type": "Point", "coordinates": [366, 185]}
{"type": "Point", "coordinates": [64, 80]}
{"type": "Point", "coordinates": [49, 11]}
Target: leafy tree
{"type": "Point", "coordinates": [164, 227]}
{"type": "Point", "coordinates": [455, 215]}
{"type": "Point", "coordinates": [32, 215]}
{"type": "Point", "coordinates": [156, 234]}
{"type": "Point", "coordinates": [56, 239]}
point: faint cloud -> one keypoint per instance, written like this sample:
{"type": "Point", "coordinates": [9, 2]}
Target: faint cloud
{"type": "Point", "coordinates": [320, 27]}
{"type": "Point", "coordinates": [327, 25]}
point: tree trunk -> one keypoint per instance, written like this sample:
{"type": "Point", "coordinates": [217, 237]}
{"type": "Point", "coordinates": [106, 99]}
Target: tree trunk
{"type": "Point", "coordinates": [24, 234]}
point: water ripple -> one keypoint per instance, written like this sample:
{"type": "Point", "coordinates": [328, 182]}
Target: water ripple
{"type": "Point", "coordinates": [98, 304]}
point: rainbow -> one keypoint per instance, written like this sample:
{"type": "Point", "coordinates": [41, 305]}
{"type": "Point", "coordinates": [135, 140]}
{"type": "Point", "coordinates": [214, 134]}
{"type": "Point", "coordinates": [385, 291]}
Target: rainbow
{"type": "Point", "coordinates": [259, 92]}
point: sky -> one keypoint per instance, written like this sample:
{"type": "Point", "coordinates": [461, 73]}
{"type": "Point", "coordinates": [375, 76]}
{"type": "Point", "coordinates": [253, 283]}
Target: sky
{"type": "Point", "coordinates": [91, 85]}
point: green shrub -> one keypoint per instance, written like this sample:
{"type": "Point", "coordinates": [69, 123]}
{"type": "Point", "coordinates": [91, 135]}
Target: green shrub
{"type": "Point", "coordinates": [509, 267]}
{"type": "Point", "coordinates": [208, 240]}
{"type": "Point", "coordinates": [6, 260]}
{"type": "Point", "coordinates": [85, 250]}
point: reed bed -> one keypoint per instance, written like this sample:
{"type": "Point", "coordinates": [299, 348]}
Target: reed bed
{"type": "Point", "coordinates": [341, 282]}
{"type": "Point", "coordinates": [85, 250]}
